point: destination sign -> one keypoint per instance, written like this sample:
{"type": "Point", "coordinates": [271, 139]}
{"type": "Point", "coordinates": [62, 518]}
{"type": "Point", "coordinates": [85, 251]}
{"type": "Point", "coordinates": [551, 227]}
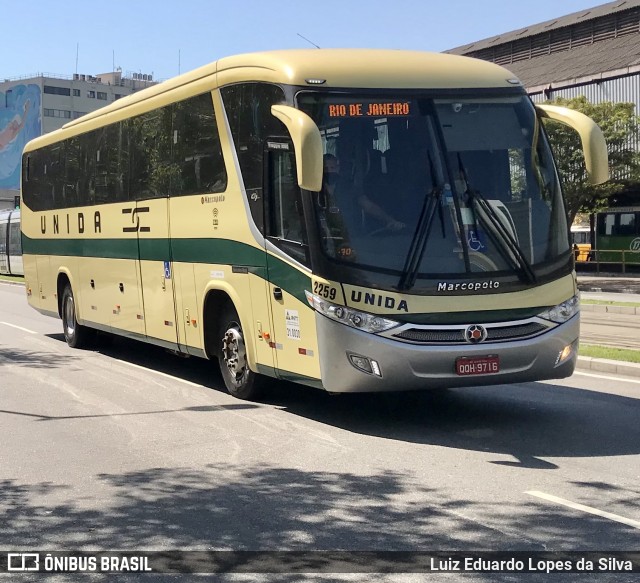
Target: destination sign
{"type": "Point", "coordinates": [370, 109]}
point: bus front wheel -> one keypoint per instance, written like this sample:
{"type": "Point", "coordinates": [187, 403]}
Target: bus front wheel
{"type": "Point", "coordinates": [76, 335]}
{"type": "Point", "coordinates": [240, 380]}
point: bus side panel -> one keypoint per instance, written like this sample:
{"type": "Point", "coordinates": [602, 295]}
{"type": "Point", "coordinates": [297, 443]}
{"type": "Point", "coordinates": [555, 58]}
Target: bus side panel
{"type": "Point", "coordinates": [188, 309]}
{"type": "Point", "coordinates": [126, 297]}
{"type": "Point", "coordinates": [110, 294]}
{"type": "Point", "coordinates": [156, 270]}
{"type": "Point", "coordinates": [31, 282]}
{"type": "Point", "coordinates": [92, 287]}
{"type": "Point", "coordinates": [263, 323]}
{"type": "Point", "coordinates": [46, 292]}
{"type": "Point", "coordinates": [294, 328]}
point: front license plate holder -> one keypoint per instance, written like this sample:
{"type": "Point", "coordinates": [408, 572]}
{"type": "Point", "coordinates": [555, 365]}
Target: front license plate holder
{"type": "Point", "coordinates": [477, 365]}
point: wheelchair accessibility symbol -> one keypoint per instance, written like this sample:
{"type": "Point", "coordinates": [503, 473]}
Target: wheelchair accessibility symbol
{"type": "Point", "coordinates": [474, 242]}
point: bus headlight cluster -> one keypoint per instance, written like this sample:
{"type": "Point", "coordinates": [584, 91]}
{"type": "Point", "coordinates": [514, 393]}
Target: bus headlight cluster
{"type": "Point", "coordinates": [562, 312]}
{"type": "Point", "coordinates": [360, 320]}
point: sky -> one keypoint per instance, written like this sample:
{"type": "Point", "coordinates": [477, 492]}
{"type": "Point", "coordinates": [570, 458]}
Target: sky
{"type": "Point", "coordinates": [165, 38]}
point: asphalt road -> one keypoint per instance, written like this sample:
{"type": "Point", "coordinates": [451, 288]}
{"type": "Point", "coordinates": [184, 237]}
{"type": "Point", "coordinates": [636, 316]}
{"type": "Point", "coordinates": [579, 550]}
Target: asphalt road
{"type": "Point", "coordinates": [127, 447]}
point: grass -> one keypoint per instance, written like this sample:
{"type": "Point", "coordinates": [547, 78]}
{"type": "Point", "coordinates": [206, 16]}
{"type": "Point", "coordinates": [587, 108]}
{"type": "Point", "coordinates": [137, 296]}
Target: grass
{"type": "Point", "coordinates": [14, 278]}
{"type": "Point", "coordinates": [609, 353]}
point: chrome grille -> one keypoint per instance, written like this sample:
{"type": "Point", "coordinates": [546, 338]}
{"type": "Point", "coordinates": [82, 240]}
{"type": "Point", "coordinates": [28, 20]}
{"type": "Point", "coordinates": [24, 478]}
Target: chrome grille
{"type": "Point", "coordinates": [457, 336]}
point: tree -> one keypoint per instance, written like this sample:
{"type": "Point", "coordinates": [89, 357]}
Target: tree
{"type": "Point", "coordinates": [620, 127]}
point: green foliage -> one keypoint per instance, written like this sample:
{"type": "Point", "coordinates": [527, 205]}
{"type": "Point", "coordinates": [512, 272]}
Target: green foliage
{"type": "Point", "coordinates": [620, 127]}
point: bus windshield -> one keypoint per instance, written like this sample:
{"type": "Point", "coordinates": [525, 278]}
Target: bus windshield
{"type": "Point", "coordinates": [424, 186]}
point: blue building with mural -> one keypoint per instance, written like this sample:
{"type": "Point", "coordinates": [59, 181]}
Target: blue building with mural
{"type": "Point", "coordinates": [41, 103]}
{"type": "Point", "coordinates": [20, 121]}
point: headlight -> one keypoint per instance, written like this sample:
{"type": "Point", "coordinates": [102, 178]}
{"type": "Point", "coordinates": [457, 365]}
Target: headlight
{"type": "Point", "coordinates": [354, 318]}
{"type": "Point", "coordinates": [562, 312]}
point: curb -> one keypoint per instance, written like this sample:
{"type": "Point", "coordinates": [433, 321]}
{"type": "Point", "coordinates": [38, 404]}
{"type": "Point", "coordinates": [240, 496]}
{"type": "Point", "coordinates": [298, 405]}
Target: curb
{"type": "Point", "coordinates": [630, 369]}
{"type": "Point", "coordinates": [12, 282]}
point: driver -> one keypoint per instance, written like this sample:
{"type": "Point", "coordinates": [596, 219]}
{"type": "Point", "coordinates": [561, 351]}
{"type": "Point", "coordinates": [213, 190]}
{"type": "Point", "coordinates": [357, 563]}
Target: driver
{"type": "Point", "coordinates": [341, 198]}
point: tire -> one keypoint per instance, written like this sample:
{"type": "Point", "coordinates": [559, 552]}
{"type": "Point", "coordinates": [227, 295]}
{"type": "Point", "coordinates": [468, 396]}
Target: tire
{"type": "Point", "coordinates": [77, 336]}
{"type": "Point", "coordinates": [239, 379]}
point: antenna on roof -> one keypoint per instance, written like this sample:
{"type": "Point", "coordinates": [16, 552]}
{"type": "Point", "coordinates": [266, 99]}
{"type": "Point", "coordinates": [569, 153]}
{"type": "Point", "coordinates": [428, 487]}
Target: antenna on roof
{"type": "Point", "coordinates": [310, 42]}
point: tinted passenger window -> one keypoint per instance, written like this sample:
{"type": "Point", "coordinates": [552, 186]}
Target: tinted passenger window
{"type": "Point", "coordinates": [151, 169]}
{"type": "Point", "coordinates": [248, 108]}
{"type": "Point", "coordinates": [174, 150]}
{"type": "Point", "coordinates": [197, 154]}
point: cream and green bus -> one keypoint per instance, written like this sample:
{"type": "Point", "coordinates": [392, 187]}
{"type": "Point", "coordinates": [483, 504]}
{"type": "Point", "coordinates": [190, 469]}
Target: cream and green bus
{"type": "Point", "coordinates": [352, 220]}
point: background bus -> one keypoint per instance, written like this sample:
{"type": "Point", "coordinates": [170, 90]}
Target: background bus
{"type": "Point", "coordinates": [10, 244]}
{"type": "Point", "coordinates": [581, 240]}
{"type": "Point", "coordinates": [618, 235]}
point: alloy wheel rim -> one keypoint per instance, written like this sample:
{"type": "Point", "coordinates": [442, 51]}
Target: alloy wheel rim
{"type": "Point", "coordinates": [69, 313]}
{"type": "Point", "coordinates": [234, 353]}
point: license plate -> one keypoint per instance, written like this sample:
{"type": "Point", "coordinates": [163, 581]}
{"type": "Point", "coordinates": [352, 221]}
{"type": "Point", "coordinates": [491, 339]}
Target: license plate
{"type": "Point", "coordinates": [477, 365]}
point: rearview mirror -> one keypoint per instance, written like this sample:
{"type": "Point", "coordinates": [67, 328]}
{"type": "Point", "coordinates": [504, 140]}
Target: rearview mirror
{"type": "Point", "coordinates": [307, 144]}
{"type": "Point", "coordinates": [594, 146]}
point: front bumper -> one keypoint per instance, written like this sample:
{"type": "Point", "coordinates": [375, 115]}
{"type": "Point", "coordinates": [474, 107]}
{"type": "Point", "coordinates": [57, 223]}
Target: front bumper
{"type": "Point", "coordinates": [406, 366]}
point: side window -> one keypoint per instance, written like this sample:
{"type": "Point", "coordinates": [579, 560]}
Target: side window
{"type": "Point", "coordinates": [248, 108]}
{"type": "Point", "coordinates": [627, 224]}
{"type": "Point", "coordinates": [55, 171]}
{"type": "Point", "coordinates": [73, 175]}
{"type": "Point", "coordinates": [285, 218]}
{"type": "Point", "coordinates": [15, 247]}
{"type": "Point", "coordinates": [3, 238]}
{"type": "Point", "coordinates": [89, 144]}
{"type": "Point", "coordinates": [197, 154]}
{"type": "Point", "coordinates": [41, 189]}
{"type": "Point", "coordinates": [150, 149]}
{"type": "Point", "coordinates": [115, 163]}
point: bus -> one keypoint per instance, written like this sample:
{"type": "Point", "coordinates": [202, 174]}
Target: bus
{"type": "Point", "coordinates": [10, 246]}
{"type": "Point", "coordinates": [581, 239]}
{"type": "Point", "coordinates": [205, 215]}
{"type": "Point", "coordinates": [618, 235]}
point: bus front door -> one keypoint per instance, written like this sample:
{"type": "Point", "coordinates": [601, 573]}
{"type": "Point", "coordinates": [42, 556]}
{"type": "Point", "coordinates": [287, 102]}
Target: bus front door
{"type": "Point", "coordinates": [294, 334]}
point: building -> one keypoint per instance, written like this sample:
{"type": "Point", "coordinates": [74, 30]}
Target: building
{"type": "Point", "coordinates": [594, 52]}
{"type": "Point", "coordinates": [33, 105]}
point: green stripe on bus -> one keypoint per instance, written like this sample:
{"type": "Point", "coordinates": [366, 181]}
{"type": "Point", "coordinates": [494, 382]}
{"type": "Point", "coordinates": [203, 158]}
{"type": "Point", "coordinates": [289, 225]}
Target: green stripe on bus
{"type": "Point", "coordinates": [210, 251]}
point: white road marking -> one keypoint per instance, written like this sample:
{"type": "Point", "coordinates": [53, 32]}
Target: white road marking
{"type": "Point", "coordinates": [19, 327]}
{"type": "Point", "coordinates": [607, 378]}
{"type": "Point", "coordinates": [583, 508]}
{"type": "Point", "coordinates": [162, 374]}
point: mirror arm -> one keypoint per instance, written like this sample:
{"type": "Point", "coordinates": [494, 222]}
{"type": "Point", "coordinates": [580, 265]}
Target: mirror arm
{"type": "Point", "coordinates": [594, 146]}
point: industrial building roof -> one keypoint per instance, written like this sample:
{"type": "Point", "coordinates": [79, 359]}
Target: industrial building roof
{"type": "Point", "coordinates": [577, 48]}
{"type": "Point", "coordinates": [547, 26]}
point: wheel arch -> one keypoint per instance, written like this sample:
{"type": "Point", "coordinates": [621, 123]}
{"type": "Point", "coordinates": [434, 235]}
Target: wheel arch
{"type": "Point", "coordinates": [64, 279]}
{"type": "Point", "coordinates": [215, 297]}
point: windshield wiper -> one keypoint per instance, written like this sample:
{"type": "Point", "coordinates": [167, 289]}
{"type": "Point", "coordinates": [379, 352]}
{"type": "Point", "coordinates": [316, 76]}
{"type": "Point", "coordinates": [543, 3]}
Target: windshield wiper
{"type": "Point", "coordinates": [419, 240]}
{"type": "Point", "coordinates": [502, 237]}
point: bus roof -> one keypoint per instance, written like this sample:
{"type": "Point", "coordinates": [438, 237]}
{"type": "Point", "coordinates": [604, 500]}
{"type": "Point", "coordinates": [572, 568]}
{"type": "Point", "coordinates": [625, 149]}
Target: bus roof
{"type": "Point", "coordinates": [342, 68]}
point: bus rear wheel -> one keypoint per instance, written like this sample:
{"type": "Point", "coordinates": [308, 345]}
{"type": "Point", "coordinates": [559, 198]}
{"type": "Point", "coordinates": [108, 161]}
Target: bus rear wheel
{"type": "Point", "coordinates": [76, 335]}
{"type": "Point", "coordinates": [239, 379]}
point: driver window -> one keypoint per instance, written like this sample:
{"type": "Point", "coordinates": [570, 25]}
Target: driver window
{"type": "Point", "coordinates": [286, 226]}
